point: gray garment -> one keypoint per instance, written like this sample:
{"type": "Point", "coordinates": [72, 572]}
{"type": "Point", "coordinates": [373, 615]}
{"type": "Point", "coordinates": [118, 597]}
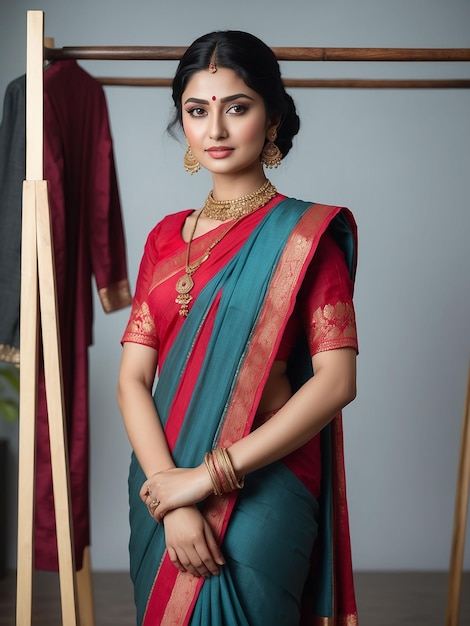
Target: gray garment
{"type": "Point", "coordinates": [12, 175]}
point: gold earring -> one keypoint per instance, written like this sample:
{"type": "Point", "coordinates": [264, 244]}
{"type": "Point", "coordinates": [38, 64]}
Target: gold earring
{"type": "Point", "coordinates": [271, 155]}
{"type": "Point", "coordinates": [191, 164]}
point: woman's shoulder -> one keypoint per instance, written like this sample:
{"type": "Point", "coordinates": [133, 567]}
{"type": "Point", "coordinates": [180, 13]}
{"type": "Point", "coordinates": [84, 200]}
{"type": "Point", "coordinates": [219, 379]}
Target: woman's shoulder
{"type": "Point", "coordinates": [170, 224]}
{"type": "Point", "coordinates": [329, 209]}
{"type": "Point", "coordinates": [166, 233]}
{"type": "Point", "coordinates": [313, 203]}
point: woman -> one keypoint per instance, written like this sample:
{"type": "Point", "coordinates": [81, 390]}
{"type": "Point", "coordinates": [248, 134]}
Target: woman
{"type": "Point", "coordinates": [237, 500]}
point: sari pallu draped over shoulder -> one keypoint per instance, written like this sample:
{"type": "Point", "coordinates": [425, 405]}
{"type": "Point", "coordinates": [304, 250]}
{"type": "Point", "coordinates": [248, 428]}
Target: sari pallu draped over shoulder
{"type": "Point", "coordinates": [207, 394]}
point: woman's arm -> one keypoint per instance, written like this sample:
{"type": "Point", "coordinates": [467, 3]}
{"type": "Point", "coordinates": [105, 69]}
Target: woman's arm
{"type": "Point", "coordinates": [189, 538]}
{"type": "Point", "coordinates": [301, 418]}
{"type": "Point", "coordinates": [311, 408]}
{"type": "Point", "coordinates": [134, 394]}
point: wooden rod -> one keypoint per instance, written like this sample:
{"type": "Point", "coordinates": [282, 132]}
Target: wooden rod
{"type": "Point", "coordinates": [372, 54]}
{"type": "Point", "coordinates": [371, 83]}
{"type": "Point", "coordinates": [116, 53]}
{"type": "Point", "coordinates": [460, 518]}
{"type": "Point", "coordinates": [174, 53]}
{"type": "Point", "coordinates": [318, 83]}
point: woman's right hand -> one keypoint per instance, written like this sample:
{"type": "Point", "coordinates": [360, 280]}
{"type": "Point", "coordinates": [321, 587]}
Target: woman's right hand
{"type": "Point", "coordinates": [190, 542]}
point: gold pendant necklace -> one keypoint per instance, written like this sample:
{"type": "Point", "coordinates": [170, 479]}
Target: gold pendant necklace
{"type": "Point", "coordinates": [234, 209]}
{"type": "Point", "coordinates": [185, 284]}
{"type": "Point", "coordinates": [218, 210]}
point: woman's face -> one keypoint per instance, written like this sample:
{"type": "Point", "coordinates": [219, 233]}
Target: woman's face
{"type": "Point", "coordinates": [224, 122]}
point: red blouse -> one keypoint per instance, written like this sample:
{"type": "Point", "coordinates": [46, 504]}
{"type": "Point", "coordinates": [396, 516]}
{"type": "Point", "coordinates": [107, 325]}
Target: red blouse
{"type": "Point", "coordinates": [324, 309]}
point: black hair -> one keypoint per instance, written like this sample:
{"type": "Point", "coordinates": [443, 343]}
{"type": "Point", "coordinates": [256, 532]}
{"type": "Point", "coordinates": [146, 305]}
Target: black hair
{"type": "Point", "coordinates": [257, 66]}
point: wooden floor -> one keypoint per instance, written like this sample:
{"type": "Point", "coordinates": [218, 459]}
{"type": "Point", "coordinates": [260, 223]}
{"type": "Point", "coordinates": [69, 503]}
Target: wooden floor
{"type": "Point", "coordinates": [384, 599]}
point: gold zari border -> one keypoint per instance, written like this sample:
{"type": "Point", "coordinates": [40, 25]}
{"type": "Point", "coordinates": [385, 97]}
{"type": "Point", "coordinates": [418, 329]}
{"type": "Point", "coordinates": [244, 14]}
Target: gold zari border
{"type": "Point", "coordinates": [274, 311]}
{"type": "Point", "coordinates": [333, 326]}
{"type": "Point", "coordinates": [116, 296]}
{"type": "Point", "coordinates": [167, 268]}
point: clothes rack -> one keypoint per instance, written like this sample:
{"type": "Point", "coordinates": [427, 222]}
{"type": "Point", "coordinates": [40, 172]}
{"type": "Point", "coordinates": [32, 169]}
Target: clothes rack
{"type": "Point", "coordinates": [310, 83]}
{"type": "Point", "coordinates": [174, 53]}
{"type": "Point", "coordinates": [38, 286]}
{"type": "Point", "coordinates": [165, 53]}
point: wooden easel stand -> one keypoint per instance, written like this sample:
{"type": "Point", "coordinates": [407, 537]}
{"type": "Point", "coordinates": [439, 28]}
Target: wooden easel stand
{"type": "Point", "coordinates": [38, 279]}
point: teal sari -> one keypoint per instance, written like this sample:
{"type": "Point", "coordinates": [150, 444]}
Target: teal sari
{"type": "Point", "coordinates": [268, 530]}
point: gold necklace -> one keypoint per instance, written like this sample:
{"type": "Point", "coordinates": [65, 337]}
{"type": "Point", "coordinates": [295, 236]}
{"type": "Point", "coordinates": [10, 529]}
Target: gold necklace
{"type": "Point", "coordinates": [218, 210]}
{"type": "Point", "coordinates": [185, 284]}
{"type": "Point", "coordinates": [234, 209]}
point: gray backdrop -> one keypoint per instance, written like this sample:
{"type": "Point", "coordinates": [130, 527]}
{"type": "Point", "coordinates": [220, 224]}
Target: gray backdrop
{"type": "Point", "coordinates": [398, 159]}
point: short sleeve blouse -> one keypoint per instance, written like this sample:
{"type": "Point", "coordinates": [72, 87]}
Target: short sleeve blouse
{"type": "Point", "coordinates": [324, 309]}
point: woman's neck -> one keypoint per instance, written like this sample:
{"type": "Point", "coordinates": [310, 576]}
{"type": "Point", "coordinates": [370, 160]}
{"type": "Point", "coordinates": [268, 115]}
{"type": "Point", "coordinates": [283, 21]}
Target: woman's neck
{"type": "Point", "coordinates": [231, 187]}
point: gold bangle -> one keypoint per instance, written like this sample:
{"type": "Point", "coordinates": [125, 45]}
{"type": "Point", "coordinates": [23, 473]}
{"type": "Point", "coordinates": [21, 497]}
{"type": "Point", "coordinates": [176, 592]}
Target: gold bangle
{"type": "Point", "coordinates": [236, 484]}
{"type": "Point", "coordinates": [222, 470]}
{"type": "Point", "coordinates": [223, 463]}
{"type": "Point", "coordinates": [212, 473]}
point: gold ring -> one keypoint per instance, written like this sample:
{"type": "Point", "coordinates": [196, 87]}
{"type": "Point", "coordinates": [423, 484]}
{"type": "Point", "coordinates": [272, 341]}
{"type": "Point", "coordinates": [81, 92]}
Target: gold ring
{"type": "Point", "coordinates": [149, 491]}
{"type": "Point", "coordinates": [153, 505]}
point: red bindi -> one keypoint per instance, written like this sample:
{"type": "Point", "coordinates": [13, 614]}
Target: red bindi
{"type": "Point", "coordinates": [214, 98]}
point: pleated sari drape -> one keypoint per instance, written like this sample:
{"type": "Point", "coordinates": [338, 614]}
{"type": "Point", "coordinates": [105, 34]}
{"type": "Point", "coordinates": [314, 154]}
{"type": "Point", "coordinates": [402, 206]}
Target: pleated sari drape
{"type": "Point", "coordinates": [207, 395]}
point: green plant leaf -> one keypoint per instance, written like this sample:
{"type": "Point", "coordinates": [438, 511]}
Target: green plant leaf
{"type": "Point", "coordinates": [9, 392]}
{"type": "Point", "coordinates": [9, 410]}
{"type": "Point", "coordinates": [12, 376]}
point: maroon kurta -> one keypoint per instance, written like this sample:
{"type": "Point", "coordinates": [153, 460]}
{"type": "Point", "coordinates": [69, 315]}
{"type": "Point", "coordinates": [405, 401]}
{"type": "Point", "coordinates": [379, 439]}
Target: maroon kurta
{"type": "Point", "coordinates": [88, 241]}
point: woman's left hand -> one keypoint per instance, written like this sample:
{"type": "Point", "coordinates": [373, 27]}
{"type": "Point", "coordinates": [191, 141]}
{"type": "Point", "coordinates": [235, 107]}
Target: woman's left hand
{"type": "Point", "coordinates": [174, 488]}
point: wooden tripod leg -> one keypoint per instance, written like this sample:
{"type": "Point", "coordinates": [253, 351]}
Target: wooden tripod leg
{"type": "Point", "coordinates": [85, 591]}
{"type": "Point", "coordinates": [28, 395]}
{"type": "Point", "coordinates": [29, 317]}
{"type": "Point", "coordinates": [55, 407]}
{"type": "Point", "coordinates": [460, 519]}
